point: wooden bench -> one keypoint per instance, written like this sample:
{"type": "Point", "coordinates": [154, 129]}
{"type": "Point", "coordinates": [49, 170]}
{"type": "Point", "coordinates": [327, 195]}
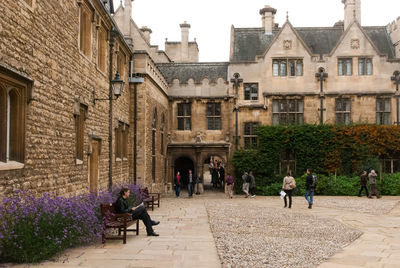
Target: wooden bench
{"type": "Point", "coordinates": [150, 199]}
{"type": "Point", "coordinates": [113, 220]}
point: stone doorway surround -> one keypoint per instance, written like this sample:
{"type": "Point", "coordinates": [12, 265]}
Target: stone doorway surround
{"type": "Point", "coordinates": [198, 153]}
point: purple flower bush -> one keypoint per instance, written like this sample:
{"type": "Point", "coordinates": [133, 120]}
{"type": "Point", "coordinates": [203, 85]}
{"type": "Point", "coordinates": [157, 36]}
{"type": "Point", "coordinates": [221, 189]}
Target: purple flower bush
{"type": "Point", "coordinates": [35, 228]}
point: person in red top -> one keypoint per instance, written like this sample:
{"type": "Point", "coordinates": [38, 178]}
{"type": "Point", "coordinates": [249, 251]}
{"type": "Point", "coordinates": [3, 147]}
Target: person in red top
{"type": "Point", "coordinates": [177, 184]}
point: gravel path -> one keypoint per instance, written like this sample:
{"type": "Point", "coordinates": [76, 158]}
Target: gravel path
{"type": "Point", "coordinates": [359, 204]}
{"type": "Point", "coordinates": [251, 236]}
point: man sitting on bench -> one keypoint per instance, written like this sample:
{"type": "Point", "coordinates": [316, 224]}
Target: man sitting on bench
{"type": "Point", "coordinates": [138, 212]}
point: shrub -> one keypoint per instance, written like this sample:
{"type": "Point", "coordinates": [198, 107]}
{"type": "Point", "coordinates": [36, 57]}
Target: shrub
{"type": "Point", "coordinates": [342, 186]}
{"type": "Point", "coordinates": [33, 228]}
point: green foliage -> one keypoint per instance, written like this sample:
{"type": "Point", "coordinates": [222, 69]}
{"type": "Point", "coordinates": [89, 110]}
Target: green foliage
{"type": "Point", "coordinates": [342, 186]}
{"type": "Point", "coordinates": [325, 149]}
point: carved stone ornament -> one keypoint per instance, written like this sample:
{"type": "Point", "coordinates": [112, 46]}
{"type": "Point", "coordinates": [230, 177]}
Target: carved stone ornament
{"type": "Point", "coordinates": [287, 44]}
{"type": "Point", "coordinates": [355, 44]}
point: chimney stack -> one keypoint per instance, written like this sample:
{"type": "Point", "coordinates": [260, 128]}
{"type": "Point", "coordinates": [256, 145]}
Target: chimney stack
{"type": "Point", "coordinates": [147, 33]}
{"type": "Point", "coordinates": [268, 19]}
{"type": "Point", "coordinates": [185, 40]}
{"type": "Point", "coordinates": [352, 11]}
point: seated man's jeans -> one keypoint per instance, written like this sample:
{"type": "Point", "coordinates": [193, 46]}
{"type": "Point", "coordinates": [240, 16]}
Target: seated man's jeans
{"type": "Point", "coordinates": [309, 195]}
{"type": "Point", "coordinates": [141, 213]}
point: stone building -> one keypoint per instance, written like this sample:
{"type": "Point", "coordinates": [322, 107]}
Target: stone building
{"type": "Point", "coordinates": [175, 113]}
{"type": "Point", "coordinates": [54, 61]}
{"type": "Point", "coordinates": [280, 70]}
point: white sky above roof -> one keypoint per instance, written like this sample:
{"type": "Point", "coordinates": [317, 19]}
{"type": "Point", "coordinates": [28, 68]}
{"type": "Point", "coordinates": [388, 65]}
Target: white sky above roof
{"type": "Point", "coordinates": [211, 20]}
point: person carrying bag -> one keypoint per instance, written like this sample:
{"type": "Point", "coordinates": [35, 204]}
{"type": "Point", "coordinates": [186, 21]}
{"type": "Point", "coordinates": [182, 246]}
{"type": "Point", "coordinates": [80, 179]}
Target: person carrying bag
{"type": "Point", "coordinates": [289, 183]}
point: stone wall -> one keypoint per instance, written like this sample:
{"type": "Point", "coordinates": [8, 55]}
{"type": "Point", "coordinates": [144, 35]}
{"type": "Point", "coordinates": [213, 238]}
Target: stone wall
{"type": "Point", "coordinates": [41, 41]}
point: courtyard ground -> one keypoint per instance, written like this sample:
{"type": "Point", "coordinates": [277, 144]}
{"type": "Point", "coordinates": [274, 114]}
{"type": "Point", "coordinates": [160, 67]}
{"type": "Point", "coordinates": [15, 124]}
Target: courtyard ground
{"type": "Point", "coordinates": [195, 233]}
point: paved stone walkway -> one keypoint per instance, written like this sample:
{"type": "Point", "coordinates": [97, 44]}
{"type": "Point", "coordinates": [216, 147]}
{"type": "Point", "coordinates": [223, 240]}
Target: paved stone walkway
{"type": "Point", "coordinates": [186, 239]}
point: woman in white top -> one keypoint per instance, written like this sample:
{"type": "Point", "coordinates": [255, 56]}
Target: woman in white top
{"type": "Point", "coordinates": [289, 183]}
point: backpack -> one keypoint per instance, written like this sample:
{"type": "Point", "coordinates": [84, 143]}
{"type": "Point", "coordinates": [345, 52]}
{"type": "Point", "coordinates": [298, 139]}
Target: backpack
{"type": "Point", "coordinates": [314, 181]}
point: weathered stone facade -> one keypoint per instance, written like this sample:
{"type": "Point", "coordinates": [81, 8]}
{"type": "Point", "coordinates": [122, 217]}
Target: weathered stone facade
{"type": "Point", "coordinates": [38, 44]}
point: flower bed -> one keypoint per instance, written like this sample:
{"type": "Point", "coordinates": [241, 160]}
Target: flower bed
{"type": "Point", "coordinates": [34, 228]}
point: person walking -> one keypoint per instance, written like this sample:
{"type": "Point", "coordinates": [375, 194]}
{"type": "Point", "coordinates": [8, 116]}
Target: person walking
{"type": "Point", "coordinates": [363, 183]}
{"type": "Point", "coordinates": [310, 188]}
{"type": "Point", "coordinates": [230, 182]}
{"type": "Point", "coordinates": [222, 176]}
{"type": "Point", "coordinates": [139, 212]}
{"type": "Point", "coordinates": [246, 184]}
{"type": "Point", "coordinates": [289, 183]}
{"type": "Point", "coordinates": [190, 184]}
{"type": "Point", "coordinates": [373, 190]}
{"type": "Point", "coordinates": [252, 184]}
{"type": "Point", "coordinates": [177, 184]}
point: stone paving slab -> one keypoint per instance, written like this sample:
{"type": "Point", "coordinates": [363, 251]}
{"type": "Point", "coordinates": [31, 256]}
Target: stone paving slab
{"type": "Point", "coordinates": [186, 239]}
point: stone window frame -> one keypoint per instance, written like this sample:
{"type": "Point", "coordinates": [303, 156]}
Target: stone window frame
{"type": "Point", "coordinates": [102, 38]}
{"type": "Point", "coordinates": [394, 165]}
{"type": "Point", "coordinates": [363, 66]}
{"type": "Point", "coordinates": [121, 141]}
{"type": "Point", "coordinates": [342, 115]}
{"type": "Point", "coordinates": [214, 115]}
{"type": "Point", "coordinates": [12, 137]}
{"type": "Point", "coordinates": [184, 114]}
{"type": "Point", "coordinates": [162, 128]}
{"type": "Point", "coordinates": [121, 63]}
{"type": "Point", "coordinates": [153, 144]}
{"type": "Point", "coordinates": [383, 116]}
{"type": "Point", "coordinates": [86, 19]}
{"type": "Point", "coordinates": [287, 159]}
{"type": "Point", "coordinates": [278, 111]}
{"type": "Point", "coordinates": [343, 67]}
{"type": "Point", "coordinates": [250, 90]}
{"type": "Point", "coordinates": [80, 118]}
{"type": "Point", "coordinates": [279, 71]}
{"type": "Point", "coordinates": [250, 137]}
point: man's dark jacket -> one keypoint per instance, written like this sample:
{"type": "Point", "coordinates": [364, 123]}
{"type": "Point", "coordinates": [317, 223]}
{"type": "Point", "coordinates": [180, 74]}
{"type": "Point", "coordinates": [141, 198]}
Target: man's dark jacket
{"type": "Point", "coordinates": [309, 182]}
{"type": "Point", "coordinates": [122, 206]}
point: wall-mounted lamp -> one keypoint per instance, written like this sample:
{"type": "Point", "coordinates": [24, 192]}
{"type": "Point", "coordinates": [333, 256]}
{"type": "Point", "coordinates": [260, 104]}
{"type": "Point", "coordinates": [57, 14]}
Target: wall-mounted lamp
{"type": "Point", "coordinates": [117, 85]}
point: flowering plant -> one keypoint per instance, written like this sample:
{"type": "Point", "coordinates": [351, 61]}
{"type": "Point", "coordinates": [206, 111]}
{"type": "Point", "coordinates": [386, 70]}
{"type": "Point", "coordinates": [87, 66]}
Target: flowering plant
{"type": "Point", "coordinates": [36, 228]}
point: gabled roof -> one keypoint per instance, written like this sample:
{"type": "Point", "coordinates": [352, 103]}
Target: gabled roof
{"type": "Point", "coordinates": [250, 42]}
{"type": "Point", "coordinates": [197, 71]}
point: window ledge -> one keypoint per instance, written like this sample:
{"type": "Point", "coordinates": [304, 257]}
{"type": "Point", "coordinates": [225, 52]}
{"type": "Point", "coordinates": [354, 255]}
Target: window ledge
{"type": "Point", "coordinates": [78, 162]}
{"type": "Point", "coordinates": [118, 159]}
{"type": "Point", "coordinates": [10, 165]}
{"type": "Point", "coordinates": [125, 159]}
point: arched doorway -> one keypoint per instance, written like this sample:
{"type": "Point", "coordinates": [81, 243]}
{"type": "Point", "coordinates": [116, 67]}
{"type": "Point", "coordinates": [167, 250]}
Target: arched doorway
{"type": "Point", "coordinates": [183, 164]}
{"type": "Point", "coordinates": [207, 174]}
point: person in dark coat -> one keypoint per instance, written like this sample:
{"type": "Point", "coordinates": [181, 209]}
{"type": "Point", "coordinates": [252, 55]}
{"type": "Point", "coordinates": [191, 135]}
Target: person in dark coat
{"type": "Point", "coordinates": [191, 182]}
{"type": "Point", "coordinates": [221, 176]}
{"type": "Point", "coordinates": [139, 212]}
{"type": "Point", "coordinates": [310, 188]}
{"type": "Point", "coordinates": [178, 183]}
{"type": "Point", "coordinates": [363, 183]}
{"type": "Point", "coordinates": [214, 177]}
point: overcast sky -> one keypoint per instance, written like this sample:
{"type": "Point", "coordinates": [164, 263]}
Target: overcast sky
{"type": "Point", "coordinates": [211, 20]}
